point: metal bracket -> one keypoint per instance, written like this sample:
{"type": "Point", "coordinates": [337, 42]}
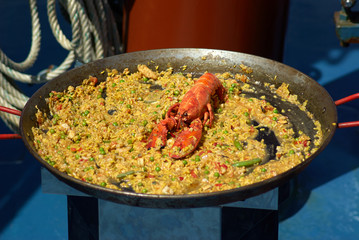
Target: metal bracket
{"type": "Point", "coordinates": [347, 23]}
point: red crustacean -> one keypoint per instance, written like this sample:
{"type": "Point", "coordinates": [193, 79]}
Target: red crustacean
{"type": "Point", "coordinates": [188, 116]}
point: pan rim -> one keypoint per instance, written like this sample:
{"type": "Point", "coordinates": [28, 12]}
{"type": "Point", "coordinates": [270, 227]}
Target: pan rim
{"type": "Point", "coordinates": [146, 200]}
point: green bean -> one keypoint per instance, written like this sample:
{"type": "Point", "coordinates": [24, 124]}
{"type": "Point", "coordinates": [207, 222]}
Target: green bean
{"type": "Point", "coordinates": [238, 145]}
{"type": "Point", "coordinates": [125, 174]}
{"type": "Point", "coordinates": [247, 163]}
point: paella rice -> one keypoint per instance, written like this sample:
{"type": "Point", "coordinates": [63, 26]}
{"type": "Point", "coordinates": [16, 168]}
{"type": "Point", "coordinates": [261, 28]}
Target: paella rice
{"type": "Point", "coordinates": [98, 131]}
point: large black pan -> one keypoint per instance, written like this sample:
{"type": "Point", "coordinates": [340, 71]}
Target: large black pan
{"type": "Point", "coordinates": [197, 61]}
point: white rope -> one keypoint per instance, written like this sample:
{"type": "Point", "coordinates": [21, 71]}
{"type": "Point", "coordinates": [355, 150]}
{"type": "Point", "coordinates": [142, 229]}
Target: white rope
{"type": "Point", "coordinates": [94, 36]}
{"type": "Point", "coordinates": [35, 46]}
{"type": "Point", "coordinates": [8, 91]}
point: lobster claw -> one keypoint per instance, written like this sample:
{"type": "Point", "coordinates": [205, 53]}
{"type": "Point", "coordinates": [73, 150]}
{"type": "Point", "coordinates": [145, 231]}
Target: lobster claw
{"type": "Point", "coordinates": [188, 140]}
{"type": "Point", "coordinates": [158, 137]}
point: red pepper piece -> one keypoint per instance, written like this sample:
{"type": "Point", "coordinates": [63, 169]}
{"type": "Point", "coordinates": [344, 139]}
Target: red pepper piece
{"type": "Point", "coordinates": [193, 174]}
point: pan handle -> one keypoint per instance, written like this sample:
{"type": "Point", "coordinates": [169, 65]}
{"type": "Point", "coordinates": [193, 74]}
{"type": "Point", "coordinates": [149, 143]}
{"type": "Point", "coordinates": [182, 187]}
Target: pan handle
{"type": "Point", "coordinates": [345, 100]}
{"type": "Point", "coordinates": [15, 112]}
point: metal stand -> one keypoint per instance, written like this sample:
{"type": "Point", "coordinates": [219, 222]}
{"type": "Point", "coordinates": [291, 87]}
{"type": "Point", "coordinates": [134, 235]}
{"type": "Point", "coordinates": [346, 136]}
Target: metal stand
{"type": "Point", "coordinates": [91, 218]}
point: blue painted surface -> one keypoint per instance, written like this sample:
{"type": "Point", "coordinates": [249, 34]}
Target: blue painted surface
{"type": "Point", "coordinates": [325, 196]}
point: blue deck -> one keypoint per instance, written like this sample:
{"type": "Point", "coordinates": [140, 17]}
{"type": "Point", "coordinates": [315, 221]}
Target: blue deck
{"type": "Point", "coordinates": [324, 203]}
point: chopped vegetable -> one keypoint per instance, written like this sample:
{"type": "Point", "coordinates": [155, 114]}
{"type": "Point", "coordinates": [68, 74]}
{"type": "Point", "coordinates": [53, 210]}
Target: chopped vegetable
{"type": "Point", "coordinates": [247, 163]}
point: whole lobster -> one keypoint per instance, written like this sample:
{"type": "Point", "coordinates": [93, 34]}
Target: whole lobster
{"type": "Point", "coordinates": [194, 106]}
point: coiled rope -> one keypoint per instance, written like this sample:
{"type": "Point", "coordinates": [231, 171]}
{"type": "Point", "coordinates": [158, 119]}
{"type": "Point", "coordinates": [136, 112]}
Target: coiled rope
{"type": "Point", "coordinates": [94, 35]}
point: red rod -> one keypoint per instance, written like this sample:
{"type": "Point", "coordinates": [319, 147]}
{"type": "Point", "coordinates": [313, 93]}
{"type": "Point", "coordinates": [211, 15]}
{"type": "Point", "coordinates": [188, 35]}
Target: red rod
{"type": "Point", "coordinates": [15, 112]}
{"type": "Point", "coordinates": [10, 136]}
{"type": "Point", "coordinates": [347, 99]}
{"type": "Point", "coordinates": [10, 110]}
{"type": "Point", "coordinates": [348, 124]}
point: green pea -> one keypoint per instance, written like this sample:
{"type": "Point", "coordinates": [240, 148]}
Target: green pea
{"type": "Point", "coordinates": [145, 79]}
{"type": "Point", "coordinates": [144, 123]}
{"type": "Point", "coordinates": [275, 110]}
{"type": "Point", "coordinates": [206, 172]}
{"type": "Point", "coordinates": [152, 159]}
{"type": "Point", "coordinates": [102, 151]}
{"type": "Point", "coordinates": [238, 145]}
{"type": "Point", "coordinates": [128, 106]}
{"type": "Point", "coordinates": [113, 84]}
{"type": "Point", "coordinates": [216, 174]}
{"type": "Point", "coordinates": [184, 162]}
{"type": "Point", "coordinates": [103, 184]}
{"type": "Point", "coordinates": [52, 163]}
{"type": "Point", "coordinates": [122, 81]}
{"type": "Point", "coordinates": [115, 124]}
{"type": "Point", "coordinates": [52, 130]}
{"type": "Point", "coordinates": [157, 169]}
{"type": "Point", "coordinates": [291, 152]}
{"type": "Point", "coordinates": [176, 92]}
